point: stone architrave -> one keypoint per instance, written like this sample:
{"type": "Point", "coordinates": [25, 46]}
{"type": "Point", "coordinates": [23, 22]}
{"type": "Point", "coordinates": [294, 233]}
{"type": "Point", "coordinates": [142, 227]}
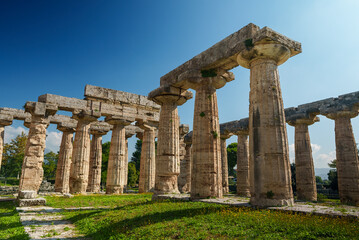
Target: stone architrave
{"type": "Point", "coordinates": [269, 154]}
{"type": "Point", "coordinates": [206, 175]}
{"type": "Point", "coordinates": [148, 155]}
{"type": "Point", "coordinates": [64, 161]}
{"type": "Point", "coordinates": [347, 157]}
{"type": "Point", "coordinates": [32, 172]}
{"type": "Point", "coordinates": [243, 179]}
{"type": "Point", "coordinates": [183, 186]}
{"type": "Point", "coordinates": [94, 180]}
{"type": "Point", "coordinates": [304, 165]}
{"type": "Point", "coordinates": [79, 170]}
{"type": "Point", "coordinates": [224, 160]}
{"type": "Point", "coordinates": [167, 159]}
{"type": "Point", "coordinates": [5, 120]}
{"type": "Point", "coordinates": [116, 171]}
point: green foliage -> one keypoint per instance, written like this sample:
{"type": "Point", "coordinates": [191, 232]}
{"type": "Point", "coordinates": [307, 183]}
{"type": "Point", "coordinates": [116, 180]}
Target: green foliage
{"type": "Point", "coordinates": [232, 158]}
{"type": "Point", "coordinates": [321, 197]}
{"type": "Point", "coordinates": [133, 174]}
{"type": "Point", "coordinates": [202, 114]}
{"type": "Point", "coordinates": [249, 43]}
{"type": "Point", "coordinates": [215, 134]}
{"type": "Point", "coordinates": [50, 164]}
{"type": "Point", "coordinates": [319, 180]}
{"type": "Point", "coordinates": [209, 73]}
{"type": "Point", "coordinates": [13, 156]}
{"type": "Point", "coordinates": [105, 156]}
{"type": "Point", "coordinates": [136, 217]}
{"type": "Point", "coordinates": [10, 225]}
{"type": "Point", "coordinates": [292, 169]}
{"type": "Point", "coordinates": [333, 175]}
{"type": "Point", "coordinates": [136, 155]}
{"type": "Point", "coordinates": [270, 194]}
{"type": "Point", "coordinates": [333, 164]}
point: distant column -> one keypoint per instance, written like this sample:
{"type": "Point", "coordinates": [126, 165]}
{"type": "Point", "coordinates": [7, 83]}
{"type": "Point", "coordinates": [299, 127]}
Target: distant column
{"type": "Point", "coordinates": [224, 161]}
{"type": "Point", "coordinates": [243, 180]}
{"type": "Point", "coordinates": [64, 161]}
{"type": "Point", "coordinates": [184, 160]}
{"type": "Point", "coordinates": [5, 120]}
{"type": "Point", "coordinates": [347, 157]}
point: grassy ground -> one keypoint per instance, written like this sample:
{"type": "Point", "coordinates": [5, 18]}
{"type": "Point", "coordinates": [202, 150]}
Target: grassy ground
{"type": "Point", "coordinates": [10, 226]}
{"type": "Point", "coordinates": [136, 217]}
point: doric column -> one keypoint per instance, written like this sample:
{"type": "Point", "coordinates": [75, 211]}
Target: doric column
{"type": "Point", "coordinates": [184, 160]}
{"type": "Point", "coordinates": [32, 172]}
{"type": "Point", "coordinates": [79, 170]}
{"type": "Point", "coordinates": [64, 161]}
{"type": "Point", "coordinates": [243, 180]}
{"type": "Point", "coordinates": [304, 166]}
{"type": "Point", "coordinates": [116, 171]}
{"type": "Point", "coordinates": [206, 176]}
{"type": "Point", "coordinates": [224, 161]}
{"type": "Point", "coordinates": [268, 142]}
{"type": "Point", "coordinates": [5, 120]}
{"type": "Point", "coordinates": [347, 157]}
{"type": "Point", "coordinates": [94, 180]}
{"type": "Point", "coordinates": [167, 159]}
{"type": "Point", "coordinates": [148, 155]}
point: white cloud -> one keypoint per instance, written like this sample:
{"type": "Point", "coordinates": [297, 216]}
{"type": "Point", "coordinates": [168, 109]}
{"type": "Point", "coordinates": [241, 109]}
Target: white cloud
{"type": "Point", "coordinates": [12, 132]}
{"type": "Point", "coordinates": [322, 160]}
{"type": "Point", "coordinates": [53, 141]}
{"type": "Point", "coordinates": [315, 148]}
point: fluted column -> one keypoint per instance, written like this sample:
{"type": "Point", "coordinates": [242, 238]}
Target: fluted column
{"type": "Point", "coordinates": [147, 162]}
{"type": "Point", "coordinates": [269, 154]}
{"type": "Point", "coordinates": [243, 179]}
{"type": "Point", "coordinates": [116, 171]}
{"type": "Point", "coordinates": [94, 180]}
{"type": "Point", "coordinates": [224, 161]}
{"type": "Point", "coordinates": [206, 176]}
{"type": "Point", "coordinates": [79, 170]}
{"type": "Point", "coordinates": [64, 161]}
{"type": "Point", "coordinates": [347, 157]}
{"type": "Point", "coordinates": [32, 172]}
{"type": "Point", "coordinates": [304, 166]}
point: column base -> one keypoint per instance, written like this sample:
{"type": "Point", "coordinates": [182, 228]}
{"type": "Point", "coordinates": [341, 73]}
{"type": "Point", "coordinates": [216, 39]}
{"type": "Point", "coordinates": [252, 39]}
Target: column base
{"type": "Point", "coordinates": [244, 194]}
{"type": "Point", "coordinates": [31, 202]}
{"type": "Point", "coordinates": [166, 185]}
{"type": "Point", "coordinates": [271, 202]}
{"type": "Point", "coordinates": [114, 189]}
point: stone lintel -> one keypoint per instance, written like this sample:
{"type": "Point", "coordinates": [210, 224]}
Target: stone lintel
{"type": "Point", "coordinates": [5, 120]}
{"type": "Point", "coordinates": [40, 109]}
{"type": "Point", "coordinates": [170, 94]}
{"type": "Point", "coordinates": [17, 114]}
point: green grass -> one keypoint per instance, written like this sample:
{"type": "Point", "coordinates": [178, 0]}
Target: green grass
{"type": "Point", "coordinates": [136, 217]}
{"type": "Point", "coordinates": [10, 226]}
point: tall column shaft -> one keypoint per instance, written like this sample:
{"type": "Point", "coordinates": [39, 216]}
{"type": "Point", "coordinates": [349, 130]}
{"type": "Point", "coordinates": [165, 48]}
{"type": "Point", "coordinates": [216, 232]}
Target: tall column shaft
{"type": "Point", "coordinates": [243, 179]}
{"type": "Point", "coordinates": [2, 130]}
{"type": "Point", "coordinates": [64, 163]}
{"type": "Point", "coordinates": [115, 183]}
{"type": "Point", "coordinates": [94, 180]}
{"type": "Point", "coordinates": [304, 166]}
{"type": "Point", "coordinates": [269, 155]}
{"type": "Point", "coordinates": [347, 160]}
{"type": "Point", "coordinates": [225, 183]}
{"type": "Point", "coordinates": [206, 178]}
{"type": "Point", "coordinates": [147, 163]}
{"type": "Point", "coordinates": [184, 179]}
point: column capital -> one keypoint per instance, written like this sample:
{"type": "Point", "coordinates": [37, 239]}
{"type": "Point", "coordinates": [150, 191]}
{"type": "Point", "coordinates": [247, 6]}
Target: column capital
{"type": "Point", "coordinates": [85, 115]}
{"type": "Point", "coordinates": [305, 120]}
{"type": "Point", "coordinates": [119, 120]}
{"type": "Point", "coordinates": [214, 78]}
{"type": "Point", "coordinates": [66, 127]}
{"type": "Point", "coordinates": [225, 136]}
{"type": "Point", "coordinates": [147, 125]}
{"type": "Point", "coordinates": [5, 120]}
{"type": "Point", "coordinates": [342, 114]}
{"type": "Point", "coordinates": [41, 109]}
{"type": "Point", "coordinates": [241, 133]}
{"type": "Point", "coordinates": [99, 132]}
{"type": "Point", "coordinates": [170, 94]}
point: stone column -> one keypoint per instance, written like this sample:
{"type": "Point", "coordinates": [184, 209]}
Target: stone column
{"type": "Point", "coordinates": [81, 152]}
{"type": "Point", "coordinates": [206, 175]}
{"type": "Point", "coordinates": [5, 120]}
{"type": "Point", "coordinates": [347, 157]}
{"type": "Point", "coordinates": [116, 171]}
{"type": "Point", "coordinates": [167, 159]}
{"type": "Point", "coordinates": [94, 180]}
{"type": "Point", "coordinates": [184, 157]}
{"type": "Point", "coordinates": [32, 172]}
{"type": "Point", "coordinates": [243, 180]}
{"type": "Point", "coordinates": [224, 160]}
{"type": "Point", "coordinates": [128, 135]}
{"type": "Point", "coordinates": [64, 162]}
{"type": "Point", "coordinates": [147, 162]}
{"type": "Point", "coordinates": [304, 166]}
{"type": "Point", "coordinates": [268, 142]}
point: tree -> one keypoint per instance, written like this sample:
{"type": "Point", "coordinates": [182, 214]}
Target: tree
{"type": "Point", "coordinates": [13, 156]}
{"type": "Point", "coordinates": [132, 174]}
{"type": "Point", "coordinates": [136, 155]}
{"type": "Point", "coordinates": [232, 158]}
{"type": "Point", "coordinates": [333, 175]}
{"type": "Point", "coordinates": [294, 182]}
{"type": "Point", "coordinates": [105, 156]}
{"type": "Point", "coordinates": [319, 180]}
{"type": "Point", "coordinates": [50, 164]}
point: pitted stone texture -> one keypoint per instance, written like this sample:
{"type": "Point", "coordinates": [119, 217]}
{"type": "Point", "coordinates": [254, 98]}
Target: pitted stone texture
{"type": "Point", "coordinates": [305, 175]}
{"type": "Point", "coordinates": [224, 160]}
{"type": "Point", "coordinates": [347, 158]}
{"type": "Point", "coordinates": [94, 182]}
{"type": "Point", "coordinates": [81, 154]}
{"type": "Point", "coordinates": [147, 164]}
{"type": "Point", "coordinates": [184, 179]}
{"type": "Point", "coordinates": [27, 194]}
{"type": "Point", "coordinates": [31, 202]}
{"type": "Point", "coordinates": [184, 163]}
{"type": "Point", "coordinates": [269, 154]}
{"type": "Point", "coordinates": [243, 178]}
{"type": "Point", "coordinates": [64, 162]}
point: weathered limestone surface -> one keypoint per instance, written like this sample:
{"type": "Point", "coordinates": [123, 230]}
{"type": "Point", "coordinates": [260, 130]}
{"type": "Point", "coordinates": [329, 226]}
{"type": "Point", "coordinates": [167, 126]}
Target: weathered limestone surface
{"type": "Point", "coordinates": [269, 155]}
{"type": "Point", "coordinates": [206, 177]}
{"type": "Point", "coordinates": [116, 171]}
{"type": "Point", "coordinates": [305, 175]}
{"type": "Point", "coordinates": [64, 161]}
{"type": "Point", "coordinates": [94, 181]}
{"type": "Point", "coordinates": [243, 171]}
{"type": "Point", "coordinates": [167, 159]}
{"type": "Point", "coordinates": [79, 170]}
{"type": "Point", "coordinates": [184, 160]}
{"type": "Point", "coordinates": [32, 172]}
{"type": "Point", "coordinates": [347, 157]}
{"type": "Point", "coordinates": [148, 155]}
{"type": "Point", "coordinates": [5, 120]}
{"type": "Point", "coordinates": [224, 160]}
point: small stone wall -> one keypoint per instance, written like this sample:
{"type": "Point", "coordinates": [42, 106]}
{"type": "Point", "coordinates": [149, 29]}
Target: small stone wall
{"type": "Point", "coordinates": [8, 190]}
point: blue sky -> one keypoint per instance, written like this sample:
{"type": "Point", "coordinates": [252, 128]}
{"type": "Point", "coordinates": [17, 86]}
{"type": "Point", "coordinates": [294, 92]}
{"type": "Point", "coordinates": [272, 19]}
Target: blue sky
{"type": "Point", "coordinates": [60, 46]}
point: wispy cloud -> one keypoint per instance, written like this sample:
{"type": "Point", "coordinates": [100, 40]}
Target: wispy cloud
{"type": "Point", "coordinates": [12, 132]}
{"type": "Point", "coordinates": [53, 141]}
